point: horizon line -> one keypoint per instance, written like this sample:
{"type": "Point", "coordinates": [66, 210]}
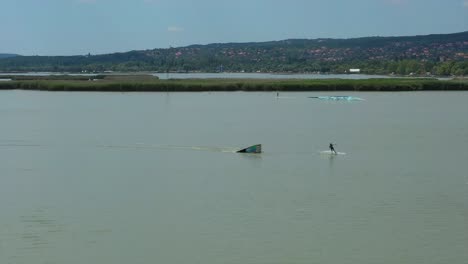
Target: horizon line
{"type": "Point", "coordinates": [244, 42]}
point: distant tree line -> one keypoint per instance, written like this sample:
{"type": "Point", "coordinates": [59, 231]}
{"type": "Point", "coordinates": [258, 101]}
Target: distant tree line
{"type": "Point", "coordinates": [419, 55]}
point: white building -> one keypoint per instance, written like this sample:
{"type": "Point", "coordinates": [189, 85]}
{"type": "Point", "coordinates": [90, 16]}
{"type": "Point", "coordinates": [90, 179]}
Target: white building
{"type": "Point", "coordinates": [354, 70]}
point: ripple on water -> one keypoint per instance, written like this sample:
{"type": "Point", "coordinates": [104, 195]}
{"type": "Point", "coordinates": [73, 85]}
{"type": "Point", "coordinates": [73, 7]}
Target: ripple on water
{"type": "Point", "coordinates": [39, 231]}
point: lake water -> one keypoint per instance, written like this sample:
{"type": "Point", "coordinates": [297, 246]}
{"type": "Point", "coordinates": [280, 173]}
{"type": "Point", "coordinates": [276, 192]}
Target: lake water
{"type": "Point", "coordinates": [226, 75]}
{"type": "Point", "coordinates": [223, 75]}
{"type": "Point", "coordinates": [114, 178]}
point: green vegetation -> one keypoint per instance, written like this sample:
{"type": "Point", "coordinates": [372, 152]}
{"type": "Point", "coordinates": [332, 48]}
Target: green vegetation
{"type": "Point", "coordinates": [4, 55]}
{"type": "Point", "coordinates": [145, 83]}
{"type": "Point", "coordinates": [418, 55]}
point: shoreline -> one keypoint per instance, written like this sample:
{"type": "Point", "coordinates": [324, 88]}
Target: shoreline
{"type": "Point", "coordinates": [144, 83]}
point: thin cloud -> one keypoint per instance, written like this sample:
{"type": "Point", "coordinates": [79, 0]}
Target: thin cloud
{"type": "Point", "coordinates": [465, 4]}
{"type": "Point", "coordinates": [150, 1]}
{"type": "Point", "coordinates": [86, 1]}
{"type": "Point", "coordinates": [397, 2]}
{"type": "Point", "coordinates": [175, 29]}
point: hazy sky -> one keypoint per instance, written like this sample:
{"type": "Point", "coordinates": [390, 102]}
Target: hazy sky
{"type": "Point", "coordinates": [67, 27]}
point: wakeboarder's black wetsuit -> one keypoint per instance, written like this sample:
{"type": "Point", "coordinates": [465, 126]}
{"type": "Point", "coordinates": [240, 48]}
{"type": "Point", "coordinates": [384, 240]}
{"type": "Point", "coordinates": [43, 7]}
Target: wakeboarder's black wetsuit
{"type": "Point", "coordinates": [332, 148]}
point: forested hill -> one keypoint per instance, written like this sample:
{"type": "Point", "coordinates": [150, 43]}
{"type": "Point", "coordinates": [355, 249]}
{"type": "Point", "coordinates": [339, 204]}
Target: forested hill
{"type": "Point", "coordinates": [442, 54]}
{"type": "Point", "coordinates": [4, 55]}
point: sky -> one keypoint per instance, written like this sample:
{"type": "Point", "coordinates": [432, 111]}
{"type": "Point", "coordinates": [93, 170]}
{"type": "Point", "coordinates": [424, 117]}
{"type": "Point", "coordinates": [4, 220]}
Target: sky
{"type": "Point", "coordinates": [77, 27]}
